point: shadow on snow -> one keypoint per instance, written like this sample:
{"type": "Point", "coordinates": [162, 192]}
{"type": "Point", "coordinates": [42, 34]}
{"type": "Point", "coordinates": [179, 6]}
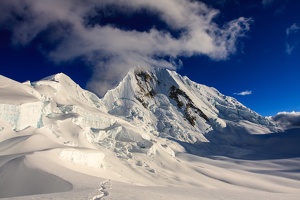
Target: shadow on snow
{"type": "Point", "coordinates": [247, 146]}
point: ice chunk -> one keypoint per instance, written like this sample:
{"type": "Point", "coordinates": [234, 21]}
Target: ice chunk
{"type": "Point", "coordinates": [83, 157]}
{"type": "Point", "coordinates": [22, 116]}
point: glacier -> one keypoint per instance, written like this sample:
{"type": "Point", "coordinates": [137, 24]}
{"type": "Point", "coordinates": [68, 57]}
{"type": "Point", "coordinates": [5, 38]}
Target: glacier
{"type": "Point", "coordinates": [157, 102]}
{"type": "Point", "coordinates": [155, 128]}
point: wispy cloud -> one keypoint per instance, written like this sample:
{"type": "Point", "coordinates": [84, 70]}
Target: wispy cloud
{"type": "Point", "coordinates": [292, 38]}
{"type": "Point", "coordinates": [111, 49]}
{"type": "Point", "coordinates": [289, 48]}
{"type": "Point", "coordinates": [277, 6]}
{"type": "Point", "coordinates": [267, 2]}
{"type": "Point", "coordinates": [244, 93]}
{"type": "Point", "coordinates": [292, 29]}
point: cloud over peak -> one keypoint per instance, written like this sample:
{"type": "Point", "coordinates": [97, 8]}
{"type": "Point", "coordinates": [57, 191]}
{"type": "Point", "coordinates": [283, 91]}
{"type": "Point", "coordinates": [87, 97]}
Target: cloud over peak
{"type": "Point", "coordinates": [111, 49]}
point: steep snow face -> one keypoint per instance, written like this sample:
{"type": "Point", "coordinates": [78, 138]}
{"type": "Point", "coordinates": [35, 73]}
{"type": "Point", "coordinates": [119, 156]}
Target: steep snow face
{"type": "Point", "coordinates": [55, 97]}
{"type": "Point", "coordinates": [146, 105]}
{"type": "Point", "coordinates": [14, 93]}
{"type": "Point", "coordinates": [72, 116]}
{"type": "Point", "coordinates": [167, 104]}
{"type": "Point", "coordinates": [63, 90]}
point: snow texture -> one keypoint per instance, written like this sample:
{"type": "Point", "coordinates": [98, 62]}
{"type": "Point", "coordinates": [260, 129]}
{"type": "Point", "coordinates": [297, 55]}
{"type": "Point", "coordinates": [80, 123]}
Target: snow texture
{"type": "Point", "coordinates": [156, 128]}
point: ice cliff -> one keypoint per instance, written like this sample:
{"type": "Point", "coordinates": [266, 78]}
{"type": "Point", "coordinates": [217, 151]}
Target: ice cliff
{"type": "Point", "coordinates": [146, 106]}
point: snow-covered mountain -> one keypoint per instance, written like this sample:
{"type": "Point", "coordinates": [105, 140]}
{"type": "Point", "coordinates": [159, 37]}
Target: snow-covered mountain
{"type": "Point", "coordinates": [146, 104]}
{"type": "Point", "coordinates": [169, 105]}
{"type": "Point", "coordinates": [157, 103]}
{"type": "Point", "coordinates": [146, 122]}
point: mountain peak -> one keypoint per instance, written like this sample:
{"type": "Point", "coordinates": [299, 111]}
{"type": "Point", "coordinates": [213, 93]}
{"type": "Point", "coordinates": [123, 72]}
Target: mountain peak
{"type": "Point", "coordinates": [169, 104]}
{"type": "Point", "coordinates": [13, 92]}
{"type": "Point", "coordinates": [160, 102]}
{"type": "Point", "coordinates": [57, 77]}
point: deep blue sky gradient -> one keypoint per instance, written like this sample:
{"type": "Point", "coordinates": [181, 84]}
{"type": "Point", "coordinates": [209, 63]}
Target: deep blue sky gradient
{"type": "Point", "coordinates": [261, 63]}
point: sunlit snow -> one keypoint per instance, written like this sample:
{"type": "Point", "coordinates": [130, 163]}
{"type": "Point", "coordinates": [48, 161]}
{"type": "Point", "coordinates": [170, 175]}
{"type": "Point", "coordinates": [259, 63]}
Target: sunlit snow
{"type": "Point", "coordinates": [157, 135]}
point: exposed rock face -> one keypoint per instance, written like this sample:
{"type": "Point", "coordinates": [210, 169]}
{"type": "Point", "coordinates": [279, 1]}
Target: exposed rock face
{"type": "Point", "coordinates": [189, 107]}
{"type": "Point", "coordinates": [167, 104]}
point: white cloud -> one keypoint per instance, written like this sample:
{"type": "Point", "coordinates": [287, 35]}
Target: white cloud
{"type": "Point", "coordinates": [287, 119]}
{"type": "Point", "coordinates": [292, 29]}
{"type": "Point", "coordinates": [112, 50]}
{"type": "Point", "coordinates": [244, 93]}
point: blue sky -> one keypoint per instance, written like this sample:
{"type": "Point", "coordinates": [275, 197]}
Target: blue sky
{"type": "Point", "coordinates": [239, 47]}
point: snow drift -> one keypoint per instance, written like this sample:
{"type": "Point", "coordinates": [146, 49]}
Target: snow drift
{"type": "Point", "coordinates": [150, 130]}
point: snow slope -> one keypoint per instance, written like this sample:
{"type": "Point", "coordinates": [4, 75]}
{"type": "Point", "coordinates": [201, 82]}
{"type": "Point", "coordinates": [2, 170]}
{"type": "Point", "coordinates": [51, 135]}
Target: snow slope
{"type": "Point", "coordinates": [169, 105]}
{"type": "Point", "coordinates": [157, 133]}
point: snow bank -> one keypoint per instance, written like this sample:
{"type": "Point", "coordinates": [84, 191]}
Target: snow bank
{"type": "Point", "coordinates": [19, 179]}
{"type": "Point", "coordinates": [151, 130]}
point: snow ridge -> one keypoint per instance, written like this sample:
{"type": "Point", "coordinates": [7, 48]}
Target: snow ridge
{"type": "Point", "coordinates": [157, 102]}
{"type": "Point", "coordinates": [155, 128]}
{"type": "Point", "coordinates": [165, 103]}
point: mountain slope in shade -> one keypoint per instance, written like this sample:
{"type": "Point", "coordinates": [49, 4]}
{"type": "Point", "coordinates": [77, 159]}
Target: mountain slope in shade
{"type": "Point", "coordinates": [149, 131]}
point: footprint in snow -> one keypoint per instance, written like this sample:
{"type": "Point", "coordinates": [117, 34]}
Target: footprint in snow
{"type": "Point", "coordinates": [104, 186]}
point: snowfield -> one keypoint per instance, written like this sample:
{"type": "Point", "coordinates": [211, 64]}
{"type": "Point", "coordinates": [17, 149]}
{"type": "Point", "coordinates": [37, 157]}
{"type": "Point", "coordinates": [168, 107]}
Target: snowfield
{"type": "Point", "coordinates": [157, 135]}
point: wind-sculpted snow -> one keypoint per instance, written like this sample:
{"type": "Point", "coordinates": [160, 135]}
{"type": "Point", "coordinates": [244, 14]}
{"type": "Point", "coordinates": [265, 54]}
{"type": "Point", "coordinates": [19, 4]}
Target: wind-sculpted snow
{"type": "Point", "coordinates": [65, 91]}
{"type": "Point", "coordinates": [14, 93]}
{"type": "Point", "coordinates": [64, 104]}
{"type": "Point", "coordinates": [155, 128]}
{"type": "Point", "coordinates": [159, 102]}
